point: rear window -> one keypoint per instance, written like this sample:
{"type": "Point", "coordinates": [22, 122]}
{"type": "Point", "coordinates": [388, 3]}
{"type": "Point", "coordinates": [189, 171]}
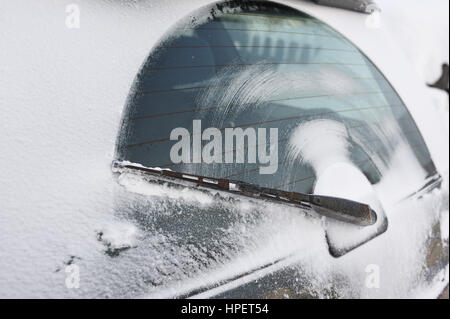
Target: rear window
{"type": "Point", "coordinates": [264, 66]}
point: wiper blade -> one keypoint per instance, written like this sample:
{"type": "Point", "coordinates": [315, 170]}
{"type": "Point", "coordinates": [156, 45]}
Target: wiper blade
{"type": "Point", "coordinates": [333, 207]}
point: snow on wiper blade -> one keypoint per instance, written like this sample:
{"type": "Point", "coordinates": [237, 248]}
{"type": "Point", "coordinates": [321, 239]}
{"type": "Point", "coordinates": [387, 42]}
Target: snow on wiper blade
{"type": "Point", "coordinates": [333, 207]}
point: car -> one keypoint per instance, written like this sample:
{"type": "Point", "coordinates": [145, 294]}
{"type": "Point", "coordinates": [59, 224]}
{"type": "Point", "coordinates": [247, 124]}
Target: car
{"type": "Point", "coordinates": [231, 149]}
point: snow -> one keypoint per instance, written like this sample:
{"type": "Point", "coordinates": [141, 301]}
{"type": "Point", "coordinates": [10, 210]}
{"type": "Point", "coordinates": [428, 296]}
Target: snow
{"type": "Point", "coordinates": [250, 86]}
{"type": "Point", "coordinates": [320, 143]}
{"type": "Point", "coordinates": [433, 291]}
{"type": "Point", "coordinates": [138, 185]}
{"type": "Point", "coordinates": [421, 28]}
{"type": "Point", "coordinates": [358, 188]}
{"type": "Point", "coordinates": [264, 245]}
{"type": "Point", "coordinates": [62, 92]}
{"type": "Point", "coordinates": [384, 44]}
{"type": "Point", "coordinates": [118, 236]}
{"type": "Point", "coordinates": [444, 224]}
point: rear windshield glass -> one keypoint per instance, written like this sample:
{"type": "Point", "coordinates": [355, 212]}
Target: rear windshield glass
{"type": "Point", "coordinates": [264, 94]}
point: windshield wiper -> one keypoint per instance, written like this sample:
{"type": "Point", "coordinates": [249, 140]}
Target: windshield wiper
{"type": "Point", "coordinates": [333, 207]}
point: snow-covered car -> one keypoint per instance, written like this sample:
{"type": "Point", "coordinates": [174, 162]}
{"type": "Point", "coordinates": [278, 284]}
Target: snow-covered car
{"type": "Point", "coordinates": [265, 149]}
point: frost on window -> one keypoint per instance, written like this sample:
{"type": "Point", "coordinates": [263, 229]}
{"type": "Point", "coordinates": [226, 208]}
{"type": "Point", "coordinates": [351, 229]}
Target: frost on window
{"type": "Point", "coordinates": [268, 66]}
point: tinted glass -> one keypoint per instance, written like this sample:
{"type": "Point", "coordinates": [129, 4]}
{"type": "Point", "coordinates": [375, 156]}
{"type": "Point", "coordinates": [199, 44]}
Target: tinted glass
{"type": "Point", "coordinates": [264, 65]}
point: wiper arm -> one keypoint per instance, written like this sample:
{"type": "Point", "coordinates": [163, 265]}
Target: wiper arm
{"type": "Point", "coordinates": [333, 207]}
